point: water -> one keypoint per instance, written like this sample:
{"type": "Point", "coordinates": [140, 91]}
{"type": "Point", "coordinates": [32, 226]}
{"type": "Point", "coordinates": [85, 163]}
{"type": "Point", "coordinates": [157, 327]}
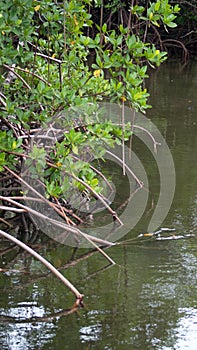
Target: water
{"type": "Point", "coordinates": [149, 299]}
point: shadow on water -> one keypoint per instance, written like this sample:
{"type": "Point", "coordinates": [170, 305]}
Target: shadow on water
{"type": "Point", "coordinates": [148, 300]}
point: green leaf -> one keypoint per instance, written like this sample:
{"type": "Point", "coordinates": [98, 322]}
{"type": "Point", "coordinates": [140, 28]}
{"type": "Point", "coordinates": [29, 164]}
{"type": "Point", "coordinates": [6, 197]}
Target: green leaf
{"type": "Point", "coordinates": [104, 28]}
{"type": "Point", "coordinates": [157, 5]}
{"type": "Point", "coordinates": [75, 149]}
{"type": "Point", "coordinates": [171, 24]}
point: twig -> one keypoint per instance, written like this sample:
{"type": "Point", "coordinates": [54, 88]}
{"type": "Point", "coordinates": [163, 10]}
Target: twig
{"type": "Point", "coordinates": [52, 205]}
{"type": "Point", "coordinates": [73, 176]}
{"type": "Point", "coordinates": [158, 35]}
{"type": "Point", "coordinates": [64, 26]}
{"type": "Point", "coordinates": [5, 222]}
{"type": "Point", "coordinates": [16, 210]}
{"type": "Point", "coordinates": [91, 190]}
{"type": "Point", "coordinates": [48, 57]}
{"type": "Point", "coordinates": [17, 75]}
{"type": "Point", "coordinates": [155, 143]}
{"type": "Point", "coordinates": [68, 211]}
{"type": "Point", "coordinates": [123, 142]}
{"type": "Point", "coordinates": [3, 102]}
{"type": "Point", "coordinates": [34, 74]}
{"type": "Point", "coordinates": [34, 319]}
{"type": "Point", "coordinates": [9, 125]}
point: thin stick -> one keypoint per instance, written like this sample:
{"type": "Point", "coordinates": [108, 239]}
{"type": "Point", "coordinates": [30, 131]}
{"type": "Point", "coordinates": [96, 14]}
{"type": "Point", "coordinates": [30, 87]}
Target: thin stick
{"type": "Point", "coordinates": [34, 74]}
{"type": "Point", "coordinates": [69, 211]}
{"type": "Point", "coordinates": [48, 57]}
{"type": "Point", "coordinates": [16, 210]}
{"type": "Point", "coordinates": [33, 190]}
{"type": "Point", "coordinates": [91, 190]}
{"type": "Point", "coordinates": [67, 283]}
{"type": "Point", "coordinates": [123, 143]}
{"type": "Point", "coordinates": [73, 176]}
{"type": "Point", "coordinates": [64, 26]}
{"type": "Point", "coordinates": [17, 75]}
{"type": "Point", "coordinates": [97, 172]}
{"type": "Point", "coordinates": [155, 143]}
{"type": "Point", "coordinates": [3, 102]}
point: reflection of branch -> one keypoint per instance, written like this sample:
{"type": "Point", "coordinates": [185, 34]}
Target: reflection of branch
{"type": "Point", "coordinates": [11, 319]}
{"type": "Point", "coordinates": [128, 199]}
{"type": "Point", "coordinates": [63, 267]}
{"type": "Point", "coordinates": [97, 272]}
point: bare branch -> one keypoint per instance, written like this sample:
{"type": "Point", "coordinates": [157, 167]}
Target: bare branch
{"type": "Point", "coordinates": [34, 74]}
{"type": "Point", "coordinates": [17, 75]}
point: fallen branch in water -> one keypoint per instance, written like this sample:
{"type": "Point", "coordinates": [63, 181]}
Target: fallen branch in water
{"type": "Point", "coordinates": [67, 283]}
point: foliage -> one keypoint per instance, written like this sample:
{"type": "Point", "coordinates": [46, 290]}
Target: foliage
{"type": "Point", "coordinates": [46, 52]}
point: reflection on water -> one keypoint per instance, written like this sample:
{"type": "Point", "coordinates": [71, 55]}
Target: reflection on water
{"type": "Point", "coordinates": [186, 332]}
{"type": "Point", "coordinates": [148, 300]}
{"type": "Point", "coordinates": [17, 336]}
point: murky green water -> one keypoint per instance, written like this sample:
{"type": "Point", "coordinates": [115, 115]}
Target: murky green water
{"type": "Point", "coordinates": [149, 299]}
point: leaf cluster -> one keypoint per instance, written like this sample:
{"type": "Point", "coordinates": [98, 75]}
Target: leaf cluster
{"type": "Point", "coordinates": [51, 64]}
